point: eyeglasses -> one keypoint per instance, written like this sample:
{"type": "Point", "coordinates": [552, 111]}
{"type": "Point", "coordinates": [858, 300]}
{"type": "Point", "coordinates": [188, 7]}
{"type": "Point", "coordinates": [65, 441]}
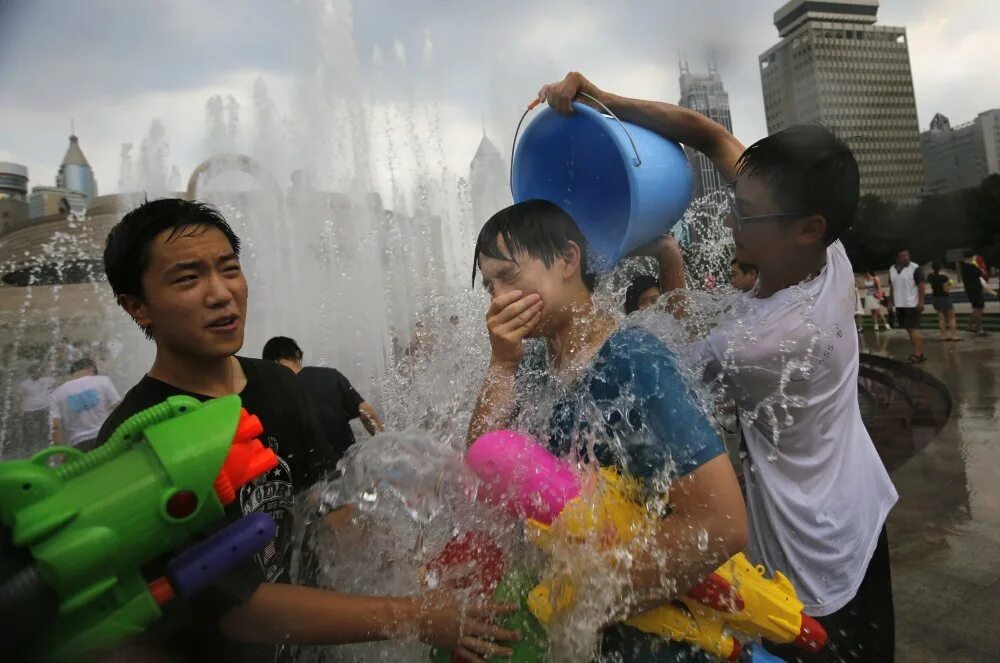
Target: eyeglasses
{"type": "Point", "coordinates": [739, 220]}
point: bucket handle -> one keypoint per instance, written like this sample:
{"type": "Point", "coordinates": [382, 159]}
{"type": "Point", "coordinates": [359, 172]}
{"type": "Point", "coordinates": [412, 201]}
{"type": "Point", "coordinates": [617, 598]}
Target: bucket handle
{"type": "Point", "coordinates": [637, 161]}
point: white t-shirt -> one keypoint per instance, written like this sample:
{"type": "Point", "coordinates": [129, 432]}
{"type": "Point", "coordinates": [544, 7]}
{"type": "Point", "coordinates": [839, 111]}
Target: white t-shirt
{"type": "Point", "coordinates": [817, 492]}
{"type": "Point", "coordinates": [83, 404]}
{"type": "Point", "coordinates": [35, 393]}
{"type": "Point", "coordinates": [904, 285]}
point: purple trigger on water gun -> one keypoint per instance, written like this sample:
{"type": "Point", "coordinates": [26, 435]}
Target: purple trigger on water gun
{"type": "Point", "coordinates": [200, 566]}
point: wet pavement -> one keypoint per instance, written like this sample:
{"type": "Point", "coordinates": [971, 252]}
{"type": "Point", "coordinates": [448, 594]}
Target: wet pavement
{"type": "Point", "coordinates": [943, 452]}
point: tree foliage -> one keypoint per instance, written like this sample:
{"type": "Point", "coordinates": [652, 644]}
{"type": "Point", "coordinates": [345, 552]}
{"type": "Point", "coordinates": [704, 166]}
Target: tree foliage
{"type": "Point", "coordinates": [937, 224]}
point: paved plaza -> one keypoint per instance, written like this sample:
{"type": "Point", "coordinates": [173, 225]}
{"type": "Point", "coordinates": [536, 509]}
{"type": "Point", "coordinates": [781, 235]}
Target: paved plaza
{"type": "Point", "coordinates": [944, 458]}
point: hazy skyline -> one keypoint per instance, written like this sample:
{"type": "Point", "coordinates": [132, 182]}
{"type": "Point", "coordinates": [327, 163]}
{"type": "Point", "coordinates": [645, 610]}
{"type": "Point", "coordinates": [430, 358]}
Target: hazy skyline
{"type": "Point", "coordinates": [114, 66]}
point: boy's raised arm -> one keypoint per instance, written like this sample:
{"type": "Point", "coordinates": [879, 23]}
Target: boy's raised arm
{"type": "Point", "coordinates": [674, 122]}
{"type": "Point", "coordinates": [510, 319]}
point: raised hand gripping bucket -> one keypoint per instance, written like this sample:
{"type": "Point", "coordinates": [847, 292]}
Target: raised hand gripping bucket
{"type": "Point", "coordinates": [623, 184]}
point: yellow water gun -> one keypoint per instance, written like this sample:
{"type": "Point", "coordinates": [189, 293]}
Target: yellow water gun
{"type": "Point", "coordinates": [522, 477]}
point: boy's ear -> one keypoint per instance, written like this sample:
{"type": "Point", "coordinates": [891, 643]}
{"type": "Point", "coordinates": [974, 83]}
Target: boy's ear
{"type": "Point", "coordinates": [136, 308]}
{"type": "Point", "coordinates": [812, 230]}
{"type": "Point", "coordinates": [571, 257]}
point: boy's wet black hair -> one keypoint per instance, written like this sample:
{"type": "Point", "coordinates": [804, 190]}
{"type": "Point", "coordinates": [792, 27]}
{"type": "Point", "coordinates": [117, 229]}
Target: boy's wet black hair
{"type": "Point", "coordinates": [81, 364]}
{"type": "Point", "coordinates": [810, 171]}
{"type": "Point", "coordinates": [281, 347]}
{"type": "Point", "coordinates": [639, 285]}
{"type": "Point", "coordinates": [126, 251]}
{"type": "Point", "coordinates": [539, 228]}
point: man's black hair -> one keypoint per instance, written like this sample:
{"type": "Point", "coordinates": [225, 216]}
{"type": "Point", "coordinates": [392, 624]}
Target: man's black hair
{"type": "Point", "coordinates": [936, 266]}
{"type": "Point", "coordinates": [281, 347]}
{"type": "Point", "coordinates": [809, 171]}
{"type": "Point", "coordinates": [902, 250]}
{"type": "Point", "coordinates": [126, 251]}
{"type": "Point", "coordinates": [539, 228]}
{"type": "Point", "coordinates": [970, 254]}
{"type": "Point", "coordinates": [81, 364]}
{"type": "Point", "coordinates": [745, 267]}
{"type": "Point", "coordinates": [639, 285]}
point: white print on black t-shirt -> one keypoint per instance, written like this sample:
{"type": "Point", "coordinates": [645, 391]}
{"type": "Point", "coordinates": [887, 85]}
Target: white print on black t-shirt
{"type": "Point", "coordinates": [272, 494]}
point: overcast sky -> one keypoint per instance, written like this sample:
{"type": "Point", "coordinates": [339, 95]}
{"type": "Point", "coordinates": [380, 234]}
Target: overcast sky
{"type": "Point", "coordinates": [114, 66]}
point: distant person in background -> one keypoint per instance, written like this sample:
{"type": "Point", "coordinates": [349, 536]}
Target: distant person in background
{"type": "Point", "coordinates": [79, 406]}
{"type": "Point", "coordinates": [645, 290]}
{"type": "Point", "coordinates": [873, 296]}
{"type": "Point", "coordinates": [641, 293]}
{"type": "Point", "coordinates": [973, 281]}
{"type": "Point", "coordinates": [907, 283]}
{"type": "Point", "coordinates": [981, 264]}
{"type": "Point", "coordinates": [859, 303]}
{"type": "Point", "coordinates": [337, 402]}
{"type": "Point", "coordinates": [742, 275]}
{"type": "Point", "coordinates": [941, 296]}
{"type": "Point", "coordinates": [33, 405]}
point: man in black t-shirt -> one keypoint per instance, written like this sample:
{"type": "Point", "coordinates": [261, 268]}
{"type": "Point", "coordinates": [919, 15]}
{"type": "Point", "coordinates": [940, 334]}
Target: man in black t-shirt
{"type": "Point", "coordinates": [337, 401]}
{"type": "Point", "coordinates": [971, 274]}
{"type": "Point", "coordinates": [290, 430]}
{"type": "Point", "coordinates": [174, 267]}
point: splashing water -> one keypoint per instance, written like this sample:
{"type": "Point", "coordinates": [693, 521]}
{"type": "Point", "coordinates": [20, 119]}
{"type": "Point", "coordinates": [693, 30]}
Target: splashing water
{"type": "Point", "coordinates": [381, 294]}
{"type": "Point", "coordinates": [405, 514]}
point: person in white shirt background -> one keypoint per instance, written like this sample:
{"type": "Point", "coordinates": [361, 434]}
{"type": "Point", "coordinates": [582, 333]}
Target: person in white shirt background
{"type": "Point", "coordinates": [908, 286]}
{"type": "Point", "coordinates": [817, 493]}
{"type": "Point", "coordinates": [79, 406]}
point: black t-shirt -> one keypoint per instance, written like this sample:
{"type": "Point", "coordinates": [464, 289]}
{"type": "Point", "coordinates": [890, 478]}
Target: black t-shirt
{"type": "Point", "coordinates": [938, 282]}
{"type": "Point", "coordinates": [336, 402]}
{"type": "Point", "coordinates": [970, 279]}
{"type": "Point", "coordinates": [189, 629]}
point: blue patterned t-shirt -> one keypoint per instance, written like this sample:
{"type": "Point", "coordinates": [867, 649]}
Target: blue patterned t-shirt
{"type": "Point", "coordinates": [633, 410]}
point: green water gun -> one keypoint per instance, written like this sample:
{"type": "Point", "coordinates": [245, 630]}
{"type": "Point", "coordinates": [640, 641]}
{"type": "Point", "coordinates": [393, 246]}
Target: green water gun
{"type": "Point", "coordinates": [474, 561]}
{"type": "Point", "coordinates": [75, 537]}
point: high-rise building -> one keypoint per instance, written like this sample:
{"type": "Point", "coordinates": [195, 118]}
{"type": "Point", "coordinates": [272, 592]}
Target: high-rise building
{"type": "Point", "coordinates": [705, 94]}
{"type": "Point", "coordinates": [13, 194]}
{"type": "Point", "coordinates": [489, 182]}
{"type": "Point", "coordinates": [75, 187]}
{"type": "Point", "coordinates": [961, 157]}
{"type": "Point", "coordinates": [46, 201]}
{"type": "Point", "coordinates": [75, 173]}
{"type": "Point", "coordinates": [13, 180]}
{"type": "Point", "coordinates": [836, 67]}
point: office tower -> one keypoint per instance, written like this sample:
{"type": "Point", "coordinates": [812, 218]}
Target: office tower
{"type": "Point", "coordinates": [835, 66]}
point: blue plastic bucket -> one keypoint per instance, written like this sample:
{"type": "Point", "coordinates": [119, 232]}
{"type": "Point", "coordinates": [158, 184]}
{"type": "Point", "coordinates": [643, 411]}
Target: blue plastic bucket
{"type": "Point", "coordinates": [624, 185]}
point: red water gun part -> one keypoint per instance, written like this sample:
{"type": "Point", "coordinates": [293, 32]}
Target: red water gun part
{"type": "Point", "coordinates": [718, 594]}
{"type": "Point", "coordinates": [812, 636]}
{"type": "Point", "coordinates": [472, 560]}
{"type": "Point", "coordinates": [248, 459]}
